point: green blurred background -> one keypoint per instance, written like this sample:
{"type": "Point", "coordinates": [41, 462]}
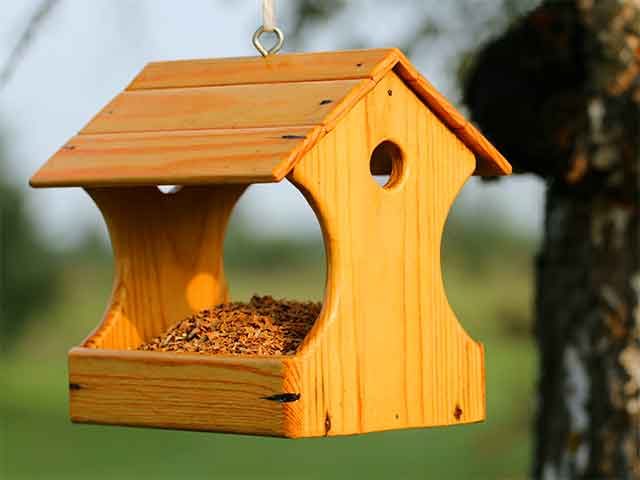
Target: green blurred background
{"type": "Point", "coordinates": [53, 294]}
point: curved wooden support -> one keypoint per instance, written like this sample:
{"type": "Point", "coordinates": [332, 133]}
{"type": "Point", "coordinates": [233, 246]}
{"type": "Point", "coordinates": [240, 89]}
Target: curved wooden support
{"type": "Point", "coordinates": [168, 258]}
{"type": "Point", "coordinates": [387, 350]}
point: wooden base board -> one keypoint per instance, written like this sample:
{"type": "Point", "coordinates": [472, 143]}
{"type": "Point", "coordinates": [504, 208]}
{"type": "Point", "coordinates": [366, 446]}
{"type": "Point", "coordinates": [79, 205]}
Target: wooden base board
{"type": "Point", "coordinates": [178, 391]}
{"type": "Point", "coordinates": [227, 394]}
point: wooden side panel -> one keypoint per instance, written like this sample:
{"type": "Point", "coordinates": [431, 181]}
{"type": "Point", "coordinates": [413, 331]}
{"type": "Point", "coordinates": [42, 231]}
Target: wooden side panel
{"type": "Point", "coordinates": [191, 392]}
{"type": "Point", "coordinates": [235, 106]}
{"type": "Point", "coordinates": [168, 258]}
{"type": "Point", "coordinates": [184, 157]}
{"type": "Point", "coordinates": [274, 69]}
{"type": "Point", "coordinates": [387, 351]}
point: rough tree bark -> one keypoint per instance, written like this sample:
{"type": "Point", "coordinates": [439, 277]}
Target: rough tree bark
{"type": "Point", "coordinates": [559, 94]}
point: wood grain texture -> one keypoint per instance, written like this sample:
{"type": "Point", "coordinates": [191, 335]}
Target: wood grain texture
{"type": "Point", "coordinates": [193, 157]}
{"type": "Point", "coordinates": [283, 68]}
{"type": "Point", "coordinates": [372, 64]}
{"type": "Point", "coordinates": [193, 392]}
{"type": "Point", "coordinates": [387, 351]}
{"type": "Point", "coordinates": [234, 106]}
{"type": "Point", "coordinates": [490, 160]}
{"type": "Point", "coordinates": [168, 255]}
{"type": "Point", "coordinates": [311, 92]}
{"type": "Point", "coordinates": [168, 258]}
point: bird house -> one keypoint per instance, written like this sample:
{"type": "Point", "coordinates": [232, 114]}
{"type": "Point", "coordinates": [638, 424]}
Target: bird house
{"type": "Point", "coordinates": [386, 351]}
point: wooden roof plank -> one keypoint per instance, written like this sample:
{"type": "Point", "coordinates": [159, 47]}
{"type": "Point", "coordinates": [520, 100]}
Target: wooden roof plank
{"type": "Point", "coordinates": [347, 103]}
{"type": "Point", "coordinates": [186, 122]}
{"type": "Point", "coordinates": [235, 106]}
{"type": "Point", "coordinates": [300, 67]}
{"type": "Point", "coordinates": [179, 157]}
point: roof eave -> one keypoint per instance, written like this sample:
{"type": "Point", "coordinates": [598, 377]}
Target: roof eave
{"type": "Point", "coordinates": [490, 162]}
{"type": "Point", "coordinates": [73, 165]}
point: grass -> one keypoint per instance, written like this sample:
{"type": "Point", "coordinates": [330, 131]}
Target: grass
{"type": "Point", "coordinates": [40, 442]}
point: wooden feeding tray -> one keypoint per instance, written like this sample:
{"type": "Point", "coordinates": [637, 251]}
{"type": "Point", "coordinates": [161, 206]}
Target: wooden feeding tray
{"type": "Point", "coordinates": [386, 351]}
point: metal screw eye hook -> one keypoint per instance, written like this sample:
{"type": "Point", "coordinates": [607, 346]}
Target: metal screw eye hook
{"type": "Point", "coordinates": [273, 50]}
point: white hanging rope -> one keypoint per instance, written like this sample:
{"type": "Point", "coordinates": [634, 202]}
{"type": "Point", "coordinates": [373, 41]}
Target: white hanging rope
{"type": "Point", "coordinates": [268, 25]}
{"type": "Point", "coordinates": [269, 15]}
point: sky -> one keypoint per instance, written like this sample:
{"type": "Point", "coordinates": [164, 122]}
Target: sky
{"type": "Point", "coordinates": [87, 52]}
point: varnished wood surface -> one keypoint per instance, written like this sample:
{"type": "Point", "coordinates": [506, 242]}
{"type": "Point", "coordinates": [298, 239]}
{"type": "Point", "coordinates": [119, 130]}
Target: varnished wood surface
{"type": "Point", "coordinates": [295, 67]}
{"type": "Point", "coordinates": [387, 351]}
{"type": "Point", "coordinates": [168, 258]}
{"type": "Point", "coordinates": [183, 157]}
{"type": "Point", "coordinates": [233, 106]}
{"type": "Point", "coordinates": [490, 161]}
{"type": "Point", "coordinates": [312, 91]}
{"type": "Point", "coordinates": [192, 392]}
{"type": "Point", "coordinates": [353, 64]}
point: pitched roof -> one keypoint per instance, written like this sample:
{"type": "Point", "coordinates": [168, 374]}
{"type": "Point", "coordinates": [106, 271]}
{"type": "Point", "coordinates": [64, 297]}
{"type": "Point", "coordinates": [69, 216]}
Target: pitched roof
{"type": "Point", "coordinates": [236, 120]}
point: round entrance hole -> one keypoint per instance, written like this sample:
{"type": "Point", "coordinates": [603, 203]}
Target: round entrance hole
{"type": "Point", "coordinates": [386, 164]}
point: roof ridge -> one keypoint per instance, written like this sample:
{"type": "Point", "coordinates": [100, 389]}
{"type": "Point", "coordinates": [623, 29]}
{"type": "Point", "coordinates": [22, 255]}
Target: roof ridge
{"type": "Point", "coordinates": [283, 68]}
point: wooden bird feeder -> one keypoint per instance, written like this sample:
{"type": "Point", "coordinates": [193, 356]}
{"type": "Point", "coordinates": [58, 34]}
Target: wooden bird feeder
{"type": "Point", "coordinates": [387, 351]}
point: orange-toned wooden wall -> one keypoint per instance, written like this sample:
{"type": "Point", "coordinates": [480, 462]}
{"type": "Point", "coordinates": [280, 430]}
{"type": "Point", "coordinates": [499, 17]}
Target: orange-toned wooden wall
{"type": "Point", "coordinates": [168, 258]}
{"type": "Point", "coordinates": [388, 351]}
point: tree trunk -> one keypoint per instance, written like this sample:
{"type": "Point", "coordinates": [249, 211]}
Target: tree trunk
{"type": "Point", "coordinates": [560, 95]}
